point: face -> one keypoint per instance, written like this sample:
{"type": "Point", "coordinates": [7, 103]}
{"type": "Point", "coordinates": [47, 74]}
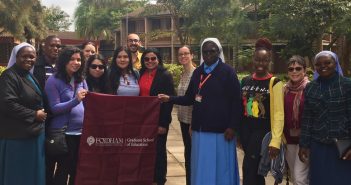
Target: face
{"type": "Point", "coordinates": [74, 64]}
{"type": "Point", "coordinates": [261, 61]}
{"type": "Point", "coordinates": [52, 48]}
{"type": "Point", "coordinates": [88, 50]}
{"type": "Point", "coordinates": [26, 58]}
{"type": "Point", "coordinates": [210, 53]}
{"type": "Point", "coordinates": [296, 72]}
{"type": "Point", "coordinates": [325, 66]}
{"type": "Point", "coordinates": [122, 60]}
{"type": "Point", "coordinates": [133, 42]}
{"type": "Point", "coordinates": [96, 68]}
{"type": "Point", "coordinates": [184, 56]}
{"type": "Point", "coordinates": [151, 61]}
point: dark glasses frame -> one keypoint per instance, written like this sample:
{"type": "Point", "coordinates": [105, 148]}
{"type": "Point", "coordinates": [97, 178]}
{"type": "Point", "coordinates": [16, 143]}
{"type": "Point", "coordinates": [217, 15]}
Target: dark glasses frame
{"type": "Point", "coordinates": [292, 69]}
{"type": "Point", "coordinates": [146, 59]}
{"type": "Point", "coordinates": [94, 66]}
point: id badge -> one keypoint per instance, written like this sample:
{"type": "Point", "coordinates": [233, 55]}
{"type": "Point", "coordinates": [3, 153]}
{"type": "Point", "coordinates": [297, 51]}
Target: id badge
{"type": "Point", "coordinates": [295, 132]}
{"type": "Point", "coordinates": [198, 98]}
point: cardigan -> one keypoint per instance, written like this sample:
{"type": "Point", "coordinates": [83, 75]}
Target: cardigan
{"type": "Point", "coordinates": [64, 105]}
{"type": "Point", "coordinates": [327, 113]}
{"type": "Point", "coordinates": [19, 101]}
{"type": "Point", "coordinates": [220, 107]}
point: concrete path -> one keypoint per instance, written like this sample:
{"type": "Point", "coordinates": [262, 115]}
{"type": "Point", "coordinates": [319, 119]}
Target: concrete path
{"type": "Point", "coordinates": [175, 156]}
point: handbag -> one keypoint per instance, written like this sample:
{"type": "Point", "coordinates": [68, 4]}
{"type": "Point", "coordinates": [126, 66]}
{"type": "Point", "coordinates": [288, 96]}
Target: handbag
{"type": "Point", "coordinates": [55, 142]}
{"type": "Point", "coordinates": [342, 145]}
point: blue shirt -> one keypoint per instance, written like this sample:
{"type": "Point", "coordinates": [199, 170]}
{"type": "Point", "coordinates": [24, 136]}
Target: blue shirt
{"type": "Point", "coordinates": [128, 86]}
{"type": "Point", "coordinates": [209, 69]}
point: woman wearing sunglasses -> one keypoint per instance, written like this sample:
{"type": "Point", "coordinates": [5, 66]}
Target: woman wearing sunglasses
{"type": "Point", "coordinates": [154, 80]}
{"type": "Point", "coordinates": [293, 106]}
{"type": "Point", "coordinates": [122, 77]}
{"type": "Point", "coordinates": [96, 74]}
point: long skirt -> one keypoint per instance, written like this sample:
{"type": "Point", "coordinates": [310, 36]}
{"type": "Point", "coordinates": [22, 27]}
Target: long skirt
{"type": "Point", "coordinates": [213, 160]}
{"type": "Point", "coordinates": [325, 166]}
{"type": "Point", "coordinates": [22, 161]}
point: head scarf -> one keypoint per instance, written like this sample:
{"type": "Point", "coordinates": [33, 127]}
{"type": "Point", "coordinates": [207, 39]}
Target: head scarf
{"type": "Point", "coordinates": [216, 41]}
{"type": "Point", "coordinates": [327, 53]}
{"type": "Point", "coordinates": [14, 52]}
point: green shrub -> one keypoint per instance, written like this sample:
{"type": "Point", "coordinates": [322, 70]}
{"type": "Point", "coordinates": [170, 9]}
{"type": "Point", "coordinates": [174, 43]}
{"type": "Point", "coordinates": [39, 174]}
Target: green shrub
{"type": "Point", "coordinates": [2, 69]}
{"type": "Point", "coordinates": [175, 70]}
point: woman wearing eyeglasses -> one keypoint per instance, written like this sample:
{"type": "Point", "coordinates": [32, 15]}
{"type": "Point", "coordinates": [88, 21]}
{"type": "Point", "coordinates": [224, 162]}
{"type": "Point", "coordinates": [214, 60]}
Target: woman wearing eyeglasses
{"type": "Point", "coordinates": [154, 80]}
{"type": "Point", "coordinates": [293, 107]}
{"type": "Point", "coordinates": [96, 74]}
{"type": "Point", "coordinates": [123, 78]}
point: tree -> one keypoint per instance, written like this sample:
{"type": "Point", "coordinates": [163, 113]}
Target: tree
{"type": "Point", "coordinates": [56, 19]}
{"type": "Point", "coordinates": [95, 19]}
{"type": "Point", "coordinates": [23, 20]}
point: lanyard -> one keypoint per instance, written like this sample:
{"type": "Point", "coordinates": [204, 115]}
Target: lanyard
{"type": "Point", "coordinates": [204, 81]}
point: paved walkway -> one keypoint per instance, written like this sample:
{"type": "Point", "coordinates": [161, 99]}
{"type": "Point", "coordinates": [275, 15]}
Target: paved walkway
{"type": "Point", "coordinates": [175, 151]}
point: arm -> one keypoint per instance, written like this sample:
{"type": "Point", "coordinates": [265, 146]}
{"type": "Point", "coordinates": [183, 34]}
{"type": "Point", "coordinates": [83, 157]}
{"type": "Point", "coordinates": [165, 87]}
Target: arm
{"type": "Point", "coordinates": [53, 93]}
{"type": "Point", "coordinates": [277, 124]}
{"type": "Point", "coordinates": [188, 98]}
{"type": "Point", "coordinates": [10, 101]}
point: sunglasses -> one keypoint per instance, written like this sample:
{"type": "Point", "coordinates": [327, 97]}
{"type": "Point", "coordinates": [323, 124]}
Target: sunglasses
{"type": "Point", "coordinates": [209, 52]}
{"type": "Point", "coordinates": [291, 69]}
{"type": "Point", "coordinates": [146, 59]}
{"type": "Point", "coordinates": [94, 66]}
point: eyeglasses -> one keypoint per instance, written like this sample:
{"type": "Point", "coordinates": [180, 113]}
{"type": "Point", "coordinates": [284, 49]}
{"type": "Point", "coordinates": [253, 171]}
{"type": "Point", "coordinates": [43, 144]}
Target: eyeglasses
{"type": "Point", "coordinates": [291, 69]}
{"type": "Point", "coordinates": [183, 54]}
{"type": "Point", "coordinates": [146, 59]}
{"type": "Point", "coordinates": [94, 66]}
{"type": "Point", "coordinates": [209, 52]}
{"type": "Point", "coordinates": [133, 40]}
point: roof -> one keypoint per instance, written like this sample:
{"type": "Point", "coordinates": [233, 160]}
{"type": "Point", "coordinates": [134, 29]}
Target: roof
{"type": "Point", "coordinates": [140, 12]}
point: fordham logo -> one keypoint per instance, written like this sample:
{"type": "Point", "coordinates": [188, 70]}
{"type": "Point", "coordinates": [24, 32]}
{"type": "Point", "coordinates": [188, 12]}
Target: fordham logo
{"type": "Point", "coordinates": [90, 140]}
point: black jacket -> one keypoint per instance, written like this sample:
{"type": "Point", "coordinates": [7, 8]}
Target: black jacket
{"type": "Point", "coordinates": [19, 101]}
{"type": "Point", "coordinates": [163, 84]}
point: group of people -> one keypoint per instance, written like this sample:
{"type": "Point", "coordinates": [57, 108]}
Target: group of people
{"type": "Point", "coordinates": [216, 111]}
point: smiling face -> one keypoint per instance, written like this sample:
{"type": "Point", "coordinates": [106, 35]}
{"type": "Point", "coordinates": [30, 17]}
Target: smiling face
{"type": "Point", "coordinates": [96, 68]}
{"type": "Point", "coordinates": [184, 56]}
{"type": "Point", "coordinates": [325, 66]}
{"type": "Point", "coordinates": [210, 52]}
{"type": "Point", "coordinates": [261, 62]}
{"type": "Point", "coordinates": [122, 60]}
{"type": "Point", "coordinates": [88, 50]}
{"type": "Point", "coordinates": [151, 61]}
{"type": "Point", "coordinates": [74, 64]}
{"type": "Point", "coordinates": [25, 58]}
{"type": "Point", "coordinates": [296, 72]}
{"type": "Point", "coordinates": [133, 42]}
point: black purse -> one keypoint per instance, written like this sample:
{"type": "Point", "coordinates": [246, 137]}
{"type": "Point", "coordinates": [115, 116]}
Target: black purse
{"type": "Point", "coordinates": [342, 145]}
{"type": "Point", "coordinates": [55, 142]}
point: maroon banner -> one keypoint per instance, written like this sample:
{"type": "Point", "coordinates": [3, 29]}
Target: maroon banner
{"type": "Point", "coordinates": [118, 143]}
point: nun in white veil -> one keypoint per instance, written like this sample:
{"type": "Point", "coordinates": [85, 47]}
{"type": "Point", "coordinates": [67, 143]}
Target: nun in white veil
{"type": "Point", "coordinates": [22, 128]}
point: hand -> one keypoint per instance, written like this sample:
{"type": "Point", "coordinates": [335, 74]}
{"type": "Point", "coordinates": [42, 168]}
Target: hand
{"type": "Point", "coordinates": [229, 134]}
{"type": "Point", "coordinates": [81, 94]}
{"type": "Point", "coordinates": [163, 97]}
{"type": "Point", "coordinates": [162, 130]}
{"type": "Point", "coordinates": [304, 154]}
{"type": "Point", "coordinates": [273, 152]}
{"type": "Point", "coordinates": [347, 156]}
{"type": "Point", "coordinates": [40, 115]}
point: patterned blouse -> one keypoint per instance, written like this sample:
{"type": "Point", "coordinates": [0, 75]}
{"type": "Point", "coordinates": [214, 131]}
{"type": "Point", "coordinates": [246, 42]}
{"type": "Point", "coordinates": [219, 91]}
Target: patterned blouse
{"type": "Point", "coordinates": [184, 112]}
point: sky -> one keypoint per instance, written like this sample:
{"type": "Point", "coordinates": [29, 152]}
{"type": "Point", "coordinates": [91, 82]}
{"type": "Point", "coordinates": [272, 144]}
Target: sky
{"type": "Point", "coordinates": [67, 6]}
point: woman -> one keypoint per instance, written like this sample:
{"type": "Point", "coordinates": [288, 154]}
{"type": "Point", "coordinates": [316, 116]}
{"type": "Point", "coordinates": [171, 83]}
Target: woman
{"type": "Point", "coordinates": [66, 90]}
{"type": "Point", "coordinates": [96, 74]}
{"type": "Point", "coordinates": [154, 80]}
{"type": "Point", "coordinates": [22, 118]}
{"type": "Point", "coordinates": [257, 120]}
{"type": "Point", "coordinates": [123, 78]}
{"type": "Point", "coordinates": [293, 107]}
{"type": "Point", "coordinates": [88, 50]}
{"type": "Point", "coordinates": [185, 57]}
{"type": "Point", "coordinates": [214, 92]}
{"type": "Point", "coordinates": [326, 116]}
